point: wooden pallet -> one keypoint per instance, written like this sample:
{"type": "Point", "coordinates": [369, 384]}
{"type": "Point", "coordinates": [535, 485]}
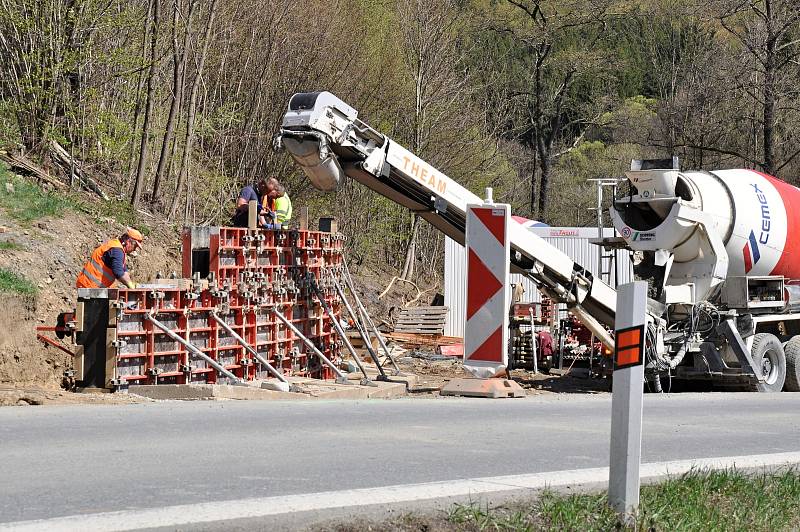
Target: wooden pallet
{"type": "Point", "coordinates": [421, 320]}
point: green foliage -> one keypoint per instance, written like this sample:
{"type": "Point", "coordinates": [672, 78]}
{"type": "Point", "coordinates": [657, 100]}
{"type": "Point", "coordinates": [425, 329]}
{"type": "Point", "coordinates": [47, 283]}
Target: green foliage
{"type": "Point", "coordinates": [15, 284]}
{"type": "Point", "coordinates": [699, 500]}
{"type": "Point", "coordinates": [10, 246]}
{"type": "Point", "coordinates": [26, 202]}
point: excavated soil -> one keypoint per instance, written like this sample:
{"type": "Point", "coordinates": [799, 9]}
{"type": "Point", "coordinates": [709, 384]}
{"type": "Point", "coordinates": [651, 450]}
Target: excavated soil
{"type": "Point", "coordinates": [50, 252]}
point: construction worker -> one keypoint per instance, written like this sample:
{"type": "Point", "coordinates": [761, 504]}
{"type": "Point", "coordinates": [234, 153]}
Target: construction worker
{"type": "Point", "coordinates": [107, 263]}
{"type": "Point", "coordinates": [255, 192]}
{"type": "Point", "coordinates": [279, 206]}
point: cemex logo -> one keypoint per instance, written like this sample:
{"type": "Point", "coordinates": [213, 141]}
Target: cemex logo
{"type": "Point", "coordinates": [750, 251]}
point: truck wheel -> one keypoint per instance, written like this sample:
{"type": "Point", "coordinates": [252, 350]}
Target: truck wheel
{"type": "Point", "coordinates": [769, 359]}
{"type": "Point", "coordinates": [792, 350]}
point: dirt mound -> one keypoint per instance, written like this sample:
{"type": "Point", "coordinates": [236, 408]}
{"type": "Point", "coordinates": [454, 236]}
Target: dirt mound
{"type": "Point", "coordinates": [49, 253]}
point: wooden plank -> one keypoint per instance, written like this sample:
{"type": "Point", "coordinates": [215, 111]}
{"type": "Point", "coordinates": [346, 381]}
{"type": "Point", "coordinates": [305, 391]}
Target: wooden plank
{"type": "Point", "coordinates": [417, 330]}
{"type": "Point", "coordinates": [432, 321]}
{"type": "Point", "coordinates": [431, 340]}
{"type": "Point", "coordinates": [424, 310]}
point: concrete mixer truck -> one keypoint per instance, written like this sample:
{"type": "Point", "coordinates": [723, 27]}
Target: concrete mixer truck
{"type": "Point", "coordinates": [720, 249]}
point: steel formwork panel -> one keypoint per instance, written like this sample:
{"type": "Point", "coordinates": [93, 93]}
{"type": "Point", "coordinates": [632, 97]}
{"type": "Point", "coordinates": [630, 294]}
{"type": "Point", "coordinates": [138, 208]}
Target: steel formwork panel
{"type": "Point", "coordinates": [248, 274]}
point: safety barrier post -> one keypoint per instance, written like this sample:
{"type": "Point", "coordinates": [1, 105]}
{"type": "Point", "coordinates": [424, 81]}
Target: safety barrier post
{"type": "Point", "coordinates": [627, 399]}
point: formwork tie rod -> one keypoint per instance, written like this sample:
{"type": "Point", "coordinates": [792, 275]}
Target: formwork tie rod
{"type": "Point", "coordinates": [214, 364]}
{"type": "Point", "coordinates": [249, 348]}
{"type": "Point", "coordinates": [341, 378]}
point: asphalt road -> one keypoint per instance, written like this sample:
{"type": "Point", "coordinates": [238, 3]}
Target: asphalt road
{"type": "Point", "coordinates": [59, 461]}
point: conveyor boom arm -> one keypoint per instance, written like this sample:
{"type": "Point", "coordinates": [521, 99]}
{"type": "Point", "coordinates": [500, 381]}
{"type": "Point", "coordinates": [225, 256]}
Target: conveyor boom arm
{"type": "Point", "coordinates": [326, 138]}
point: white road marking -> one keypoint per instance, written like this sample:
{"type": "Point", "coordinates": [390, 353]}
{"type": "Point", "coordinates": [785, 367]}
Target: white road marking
{"type": "Point", "coordinates": [207, 512]}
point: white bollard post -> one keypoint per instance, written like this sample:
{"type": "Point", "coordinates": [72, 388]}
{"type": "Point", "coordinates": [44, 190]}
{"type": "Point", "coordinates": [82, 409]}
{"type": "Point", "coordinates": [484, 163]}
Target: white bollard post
{"type": "Point", "coordinates": [626, 400]}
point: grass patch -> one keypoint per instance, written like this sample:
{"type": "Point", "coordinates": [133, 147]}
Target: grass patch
{"type": "Point", "coordinates": [10, 246]}
{"type": "Point", "coordinates": [700, 500]}
{"type": "Point", "coordinates": [11, 282]}
{"type": "Point", "coordinates": [25, 202]}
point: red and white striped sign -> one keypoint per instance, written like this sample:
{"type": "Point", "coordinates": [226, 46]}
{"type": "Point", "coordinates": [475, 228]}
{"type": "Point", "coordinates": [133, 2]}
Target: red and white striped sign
{"type": "Point", "coordinates": [486, 331]}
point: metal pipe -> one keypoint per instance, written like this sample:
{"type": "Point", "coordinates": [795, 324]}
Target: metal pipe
{"type": "Point", "coordinates": [349, 282]}
{"type": "Point", "coordinates": [249, 348]}
{"type": "Point", "coordinates": [342, 379]}
{"type": "Point", "coordinates": [214, 364]}
{"type": "Point", "coordinates": [336, 325]}
{"type": "Point", "coordinates": [357, 324]}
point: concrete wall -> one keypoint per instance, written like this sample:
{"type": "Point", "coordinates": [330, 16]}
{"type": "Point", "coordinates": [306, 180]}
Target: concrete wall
{"type": "Point", "coordinates": [574, 241]}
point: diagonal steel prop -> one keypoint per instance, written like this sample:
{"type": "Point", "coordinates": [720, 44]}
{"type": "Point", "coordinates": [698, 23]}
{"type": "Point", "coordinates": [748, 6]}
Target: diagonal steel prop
{"type": "Point", "coordinates": [340, 377]}
{"type": "Point", "coordinates": [351, 287]}
{"type": "Point", "coordinates": [250, 349]}
{"type": "Point", "coordinates": [336, 325]}
{"type": "Point", "coordinates": [191, 347]}
{"type": "Point", "coordinates": [361, 330]}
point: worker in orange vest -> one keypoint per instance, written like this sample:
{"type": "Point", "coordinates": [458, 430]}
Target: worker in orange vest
{"type": "Point", "coordinates": [107, 263]}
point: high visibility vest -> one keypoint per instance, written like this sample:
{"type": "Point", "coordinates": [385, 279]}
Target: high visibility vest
{"type": "Point", "coordinates": [283, 209]}
{"type": "Point", "coordinates": [95, 273]}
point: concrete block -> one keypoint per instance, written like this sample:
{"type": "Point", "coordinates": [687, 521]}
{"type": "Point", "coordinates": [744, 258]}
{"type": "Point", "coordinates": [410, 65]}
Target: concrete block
{"type": "Point", "coordinates": [491, 388]}
{"type": "Point", "coordinates": [188, 392]}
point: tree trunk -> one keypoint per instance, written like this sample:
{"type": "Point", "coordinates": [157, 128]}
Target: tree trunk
{"type": "Point", "coordinates": [411, 251]}
{"type": "Point", "coordinates": [148, 109]}
{"type": "Point", "coordinates": [178, 71]}
{"type": "Point", "coordinates": [769, 109]}
{"type": "Point", "coordinates": [183, 172]}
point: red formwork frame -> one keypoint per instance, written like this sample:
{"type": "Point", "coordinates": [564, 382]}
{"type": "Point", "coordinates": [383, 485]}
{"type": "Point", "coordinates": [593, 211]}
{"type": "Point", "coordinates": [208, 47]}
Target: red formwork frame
{"type": "Point", "coordinates": [251, 272]}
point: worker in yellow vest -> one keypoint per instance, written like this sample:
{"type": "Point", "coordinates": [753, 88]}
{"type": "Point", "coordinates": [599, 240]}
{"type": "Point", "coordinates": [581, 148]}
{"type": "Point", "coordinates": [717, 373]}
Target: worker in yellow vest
{"type": "Point", "coordinates": [279, 206]}
{"type": "Point", "coordinates": [108, 262]}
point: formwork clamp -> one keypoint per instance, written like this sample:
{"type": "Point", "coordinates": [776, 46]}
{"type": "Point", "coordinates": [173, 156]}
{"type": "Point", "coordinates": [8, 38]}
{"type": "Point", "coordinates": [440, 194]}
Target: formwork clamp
{"type": "Point", "coordinates": [155, 294]}
{"type": "Point", "coordinates": [119, 384]}
{"type": "Point", "coordinates": [154, 371]}
{"type": "Point", "coordinates": [118, 343]}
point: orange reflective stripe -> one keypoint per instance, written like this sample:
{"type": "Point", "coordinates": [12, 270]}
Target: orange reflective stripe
{"type": "Point", "coordinates": [628, 347]}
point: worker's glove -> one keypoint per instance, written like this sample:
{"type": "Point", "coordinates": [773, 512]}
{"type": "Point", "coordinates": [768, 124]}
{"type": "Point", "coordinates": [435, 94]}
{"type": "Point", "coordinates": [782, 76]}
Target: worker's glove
{"type": "Point", "coordinates": [132, 285]}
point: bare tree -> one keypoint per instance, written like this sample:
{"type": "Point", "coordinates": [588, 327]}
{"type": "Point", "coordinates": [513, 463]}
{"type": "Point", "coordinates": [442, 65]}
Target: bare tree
{"type": "Point", "coordinates": [191, 112]}
{"type": "Point", "coordinates": [431, 55]}
{"type": "Point", "coordinates": [179, 54]}
{"type": "Point", "coordinates": [147, 123]}
{"type": "Point", "coordinates": [560, 48]}
{"type": "Point", "coordinates": [769, 31]}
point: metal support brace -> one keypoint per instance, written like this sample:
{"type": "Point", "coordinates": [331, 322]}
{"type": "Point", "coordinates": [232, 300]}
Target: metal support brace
{"type": "Point", "coordinates": [341, 378]}
{"type": "Point", "coordinates": [349, 281]}
{"type": "Point", "coordinates": [250, 349]}
{"type": "Point", "coordinates": [214, 364]}
{"type": "Point", "coordinates": [361, 331]}
{"type": "Point", "coordinates": [731, 333]}
{"type": "Point", "coordinates": [338, 327]}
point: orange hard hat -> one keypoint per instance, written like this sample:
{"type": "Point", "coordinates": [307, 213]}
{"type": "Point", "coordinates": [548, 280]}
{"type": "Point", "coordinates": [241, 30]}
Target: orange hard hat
{"type": "Point", "coordinates": [134, 235]}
